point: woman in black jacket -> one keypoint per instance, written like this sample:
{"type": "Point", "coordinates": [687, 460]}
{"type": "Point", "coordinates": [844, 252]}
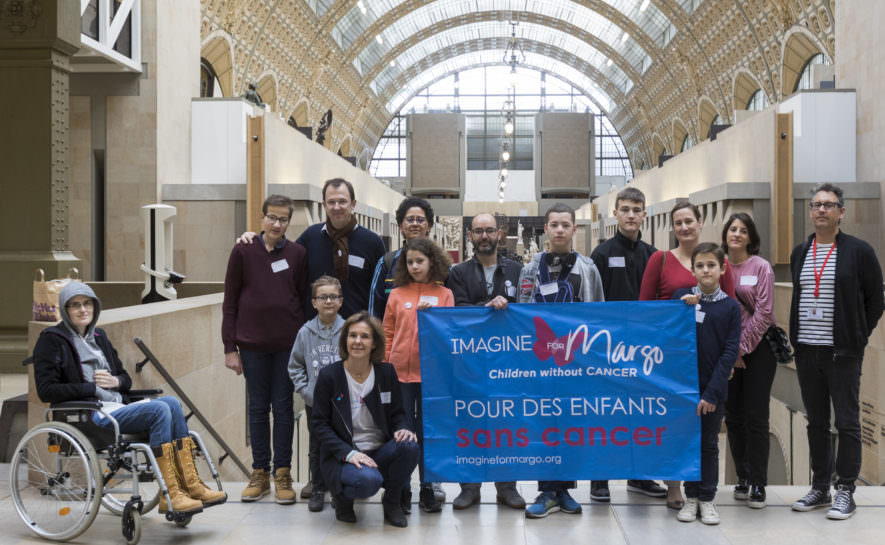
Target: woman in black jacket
{"type": "Point", "coordinates": [358, 417]}
{"type": "Point", "coordinates": [75, 361]}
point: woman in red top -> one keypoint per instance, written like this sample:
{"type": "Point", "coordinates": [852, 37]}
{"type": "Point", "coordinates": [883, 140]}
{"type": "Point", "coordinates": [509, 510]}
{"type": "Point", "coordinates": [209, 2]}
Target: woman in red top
{"type": "Point", "coordinates": [668, 271]}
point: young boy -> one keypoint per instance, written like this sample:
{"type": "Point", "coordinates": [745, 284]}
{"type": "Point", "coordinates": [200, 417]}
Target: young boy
{"type": "Point", "coordinates": [316, 346]}
{"type": "Point", "coordinates": [718, 318]}
{"type": "Point", "coordinates": [558, 276]}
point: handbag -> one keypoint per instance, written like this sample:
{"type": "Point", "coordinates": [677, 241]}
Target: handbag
{"type": "Point", "coordinates": [776, 338]}
{"type": "Point", "coordinates": [45, 307]}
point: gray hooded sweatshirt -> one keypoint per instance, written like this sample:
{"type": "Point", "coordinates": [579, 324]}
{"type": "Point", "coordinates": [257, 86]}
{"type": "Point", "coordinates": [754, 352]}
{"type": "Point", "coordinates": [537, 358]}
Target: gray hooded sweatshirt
{"type": "Point", "coordinates": [91, 356]}
{"type": "Point", "coordinates": [315, 347]}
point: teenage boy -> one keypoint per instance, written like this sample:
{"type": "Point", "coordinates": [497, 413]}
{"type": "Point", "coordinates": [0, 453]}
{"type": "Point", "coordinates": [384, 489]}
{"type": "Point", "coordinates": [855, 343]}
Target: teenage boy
{"type": "Point", "coordinates": [837, 302]}
{"type": "Point", "coordinates": [486, 279]}
{"type": "Point", "coordinates": [718, 322]}
{"type": "Point", "coordinates": [621, 263]}
{"type": "Point", "coordinates": [558, 276]}
{"type": "Point", "coordinates": [264, 286]}
{"type": "Point", "coordinates": [316, 347]}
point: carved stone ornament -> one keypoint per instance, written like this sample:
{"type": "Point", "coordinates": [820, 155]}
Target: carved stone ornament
{"type": "Point", "coordinates": [20, 15]}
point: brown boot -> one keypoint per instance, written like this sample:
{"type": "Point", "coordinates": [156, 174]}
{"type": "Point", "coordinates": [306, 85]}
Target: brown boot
{"type": "Point", "coordinates": [180, 500]}
{"type": "Point", "coordinates": [258, 487]}
{"type": "Point", "coordinates": [197, 489]}
{"type": "Point", "coordinates": [282, 483]}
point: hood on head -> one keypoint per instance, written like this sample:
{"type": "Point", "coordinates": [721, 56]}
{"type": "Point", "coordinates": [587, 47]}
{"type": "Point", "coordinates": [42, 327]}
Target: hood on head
{"type": "Point", "coordinates": [71, 290]}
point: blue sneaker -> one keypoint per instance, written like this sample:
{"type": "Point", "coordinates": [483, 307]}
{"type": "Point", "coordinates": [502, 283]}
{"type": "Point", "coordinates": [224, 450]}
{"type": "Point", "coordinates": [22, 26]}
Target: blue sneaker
{"type": "Point", "coordinates": [567, 503]}
{"type": "Point", "coordinates": [545, 503]}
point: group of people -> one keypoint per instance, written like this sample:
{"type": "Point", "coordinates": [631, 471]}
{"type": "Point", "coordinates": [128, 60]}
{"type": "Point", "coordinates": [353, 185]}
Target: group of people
{"type": "Point", "coordinates": [333, 317]}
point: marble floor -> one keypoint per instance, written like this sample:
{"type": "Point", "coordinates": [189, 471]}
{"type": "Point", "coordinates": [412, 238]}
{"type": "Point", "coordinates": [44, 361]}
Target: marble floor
{"type": "Point", "coordinates": [629, 519]}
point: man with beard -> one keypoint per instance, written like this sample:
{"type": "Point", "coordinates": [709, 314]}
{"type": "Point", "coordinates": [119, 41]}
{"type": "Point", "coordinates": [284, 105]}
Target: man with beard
{"type": "Point", "coordinates": [486, 279]}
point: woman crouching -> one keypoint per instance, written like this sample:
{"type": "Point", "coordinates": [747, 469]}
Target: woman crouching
{"type": "Point", "coordinates": [358, 417]}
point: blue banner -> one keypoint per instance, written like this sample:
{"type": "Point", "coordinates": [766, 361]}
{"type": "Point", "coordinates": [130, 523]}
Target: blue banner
{"type": "Point", "coordinates": [560, 392]}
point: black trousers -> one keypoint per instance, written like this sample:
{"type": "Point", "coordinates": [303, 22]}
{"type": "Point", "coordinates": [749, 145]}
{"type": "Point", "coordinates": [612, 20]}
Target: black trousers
{"type": "Point", "coordinates": [313, 454]}
{"type": "Point", "coordinates": [746, 414]}
{"type": "Point", "coordinates": [825, 377]}
{"type": "Point", "coordinates": [705, 489]}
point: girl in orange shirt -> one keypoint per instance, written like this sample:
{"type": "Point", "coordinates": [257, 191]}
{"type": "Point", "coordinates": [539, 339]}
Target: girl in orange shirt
{"type": "Point", "coordinates": [419, 287]}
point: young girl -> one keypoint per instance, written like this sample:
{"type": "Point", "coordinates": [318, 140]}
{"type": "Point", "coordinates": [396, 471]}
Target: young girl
{"type": "Point", "coordinates": [718, 318]}
{"type": "Point", "coordinates": [419, 287]}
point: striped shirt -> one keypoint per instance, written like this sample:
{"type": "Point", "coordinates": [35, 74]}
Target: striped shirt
{"type": "Point", "coordinates": [816, 313]}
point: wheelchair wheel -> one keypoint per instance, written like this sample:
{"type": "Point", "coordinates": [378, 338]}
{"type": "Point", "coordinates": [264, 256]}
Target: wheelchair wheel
{"type": "Point", "coordinates": [184, 521]}
{"type": "Point", "coordinates": [55, 482]}
{"type": "Point", "coordinates": [119, 489]}
{"type": "Point", "coordinates": [131, 524]}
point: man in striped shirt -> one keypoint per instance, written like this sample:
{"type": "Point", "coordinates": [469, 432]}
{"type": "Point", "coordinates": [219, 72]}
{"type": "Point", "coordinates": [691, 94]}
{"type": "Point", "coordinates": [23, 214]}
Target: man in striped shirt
{"type": "Point", "coordinates": [837, 301]}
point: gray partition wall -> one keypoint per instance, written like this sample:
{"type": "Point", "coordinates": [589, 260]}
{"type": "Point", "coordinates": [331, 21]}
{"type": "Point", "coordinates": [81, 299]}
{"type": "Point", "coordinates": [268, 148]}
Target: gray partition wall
{"type": "Point", "coordinates": [564, 157]}
{"type": "Point", "coordinates": [437, 160]}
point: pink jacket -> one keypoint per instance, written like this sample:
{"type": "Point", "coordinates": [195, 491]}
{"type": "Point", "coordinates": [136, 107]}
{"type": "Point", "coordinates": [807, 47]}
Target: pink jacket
{"type": "Point", "coordinates": [401, 326]}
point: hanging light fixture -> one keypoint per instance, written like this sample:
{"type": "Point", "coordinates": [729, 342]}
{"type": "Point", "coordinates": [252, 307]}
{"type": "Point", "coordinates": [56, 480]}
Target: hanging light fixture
{"type": "Point", "coordinates": [513, 55]}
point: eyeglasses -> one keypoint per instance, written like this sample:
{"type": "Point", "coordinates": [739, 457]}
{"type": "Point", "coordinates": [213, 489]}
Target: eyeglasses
{"type": "Point", "coordinates": [814, 205]}
{"type": "Point", "coordinates": [487, 231]}
{"type": "Point", "coordinates": [77, 305]}
{"type": "Point", "coordinates": [420, 220]}
{"type": "Point", "coordinates": [327, 298]}
{"type": "Point", "coordinates": [271, 219]}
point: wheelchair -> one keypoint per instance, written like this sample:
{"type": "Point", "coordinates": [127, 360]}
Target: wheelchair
{"type": "Point", "coordinates": [63, 468]}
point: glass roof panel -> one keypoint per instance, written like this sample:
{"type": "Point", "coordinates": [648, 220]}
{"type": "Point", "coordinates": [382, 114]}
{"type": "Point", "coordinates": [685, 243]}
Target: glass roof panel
{"type": "Point", "coordinates": [493, 57]}
{"type": "Point", "coordinates": [651, 20]}
{"type": "Point", "coordinates": [359, 18]}
{"type": "Point", "coordinates": [556, 44]}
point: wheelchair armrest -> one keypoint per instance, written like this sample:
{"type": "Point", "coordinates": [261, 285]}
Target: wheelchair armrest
{"type": "Point", "coordinates": [138, 395]}
{"type": "Point", "coordinates": [75, 405]}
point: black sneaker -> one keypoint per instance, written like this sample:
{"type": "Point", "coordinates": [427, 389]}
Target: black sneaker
{"type": "Point", "coordinates": [756, 497]}
{"type": "Point", "coordinates": [649, 488]}
{"type": "Point", "coordinates": [599, 491]}
{"type": "Point", "coordinates": [815, 499]}
{"type": "Point", "coordinates": [843, 504]}
{"type": "Point", "coordinates": [427, 500]}
{"type": "Point", "coordinates": [741, 490]}
{"type": "Point", "coordinates": [317, 500]}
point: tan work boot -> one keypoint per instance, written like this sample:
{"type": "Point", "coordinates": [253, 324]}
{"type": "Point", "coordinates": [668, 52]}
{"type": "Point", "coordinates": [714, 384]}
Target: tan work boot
{"type": "Point", "coordinates": [282, 483]}
{"type": "Point", "coordinates": [258, 487]}
{"type": "Point", "coordinates": [180, 500]}
{"type": "Point", "coordinates": [197, 489]}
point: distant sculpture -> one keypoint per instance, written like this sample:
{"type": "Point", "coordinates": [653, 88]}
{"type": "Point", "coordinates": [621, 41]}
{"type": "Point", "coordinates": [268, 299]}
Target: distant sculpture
{"type": "Point", "coordinates": [325, 124]}
{"type": "Point", "coordinates": [253, 96]}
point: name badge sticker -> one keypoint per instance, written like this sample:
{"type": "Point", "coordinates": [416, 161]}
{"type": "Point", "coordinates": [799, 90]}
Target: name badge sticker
{"type": "Point", "coordinates": [510, 288]}
{"type": "Point", "coordinates": [356, 261]}
{"type": "Point", "coordinates": [616, 262]}
{"type": "Point", "coordinates": [815, 314]}
{"type": "Point", "coordinates": [279, 265]}
{"type": "Point", "coordinates": [749, 280]}
{"type": "Point", "coordinates": [432, 299]}
{"type": "Point", "coordinates": [549, 288]}
{"type": "Point", "coordinates": [385, 398]}
{"type": "Point", "coordinates": [699, 316]}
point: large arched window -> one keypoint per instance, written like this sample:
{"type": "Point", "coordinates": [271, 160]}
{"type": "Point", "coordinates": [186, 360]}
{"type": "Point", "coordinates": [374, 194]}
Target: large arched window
{"type": "Point", "coordinates": [758, 101]}
{"type": "Point", "coordinates": [687, 143]}
{"type": "Point", "coordinates": [479, 94]}
{"type": "Point", "coordinates": [805, 81]}
{"type": "Point", "coordinates": [209, 84]}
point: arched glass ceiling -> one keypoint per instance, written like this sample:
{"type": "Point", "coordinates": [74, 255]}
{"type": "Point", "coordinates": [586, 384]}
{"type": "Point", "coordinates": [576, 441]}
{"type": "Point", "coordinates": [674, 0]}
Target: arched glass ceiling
{"type": "Point", "coordinates": [493, 57]}
{"type": "Point", "coordinates": [525, 31]}
{"type": "Point", "coordinates": [648, 17]}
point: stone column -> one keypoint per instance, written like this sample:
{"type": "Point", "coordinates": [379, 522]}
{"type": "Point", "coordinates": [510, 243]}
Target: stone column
{"type": "Point", "coordinates": [37, 38]}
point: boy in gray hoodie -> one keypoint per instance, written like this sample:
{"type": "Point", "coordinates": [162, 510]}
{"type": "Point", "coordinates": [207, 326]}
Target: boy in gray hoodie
{"type": "Point", "coordinates": [316, 346]}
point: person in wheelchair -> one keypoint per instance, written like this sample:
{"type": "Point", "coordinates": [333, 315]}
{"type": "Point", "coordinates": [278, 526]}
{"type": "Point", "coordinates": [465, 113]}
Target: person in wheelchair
{"type": "Point", "coordinates": [75, 361]}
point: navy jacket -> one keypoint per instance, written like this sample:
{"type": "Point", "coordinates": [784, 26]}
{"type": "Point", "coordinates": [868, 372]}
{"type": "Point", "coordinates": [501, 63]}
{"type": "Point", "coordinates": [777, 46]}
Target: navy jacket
{"type": "Point", "coordinates": [468, 282]}
{"type": "Point", "coordinates": [331, 418]}
{"type": "Point", "coordinates": [858, 301]}
{"type": "Point", "coordinates": [383, 283]}
{"type": "Point", "coordinates": [58, 375]}
{"type": "Point", "coordinates": [364, 246]}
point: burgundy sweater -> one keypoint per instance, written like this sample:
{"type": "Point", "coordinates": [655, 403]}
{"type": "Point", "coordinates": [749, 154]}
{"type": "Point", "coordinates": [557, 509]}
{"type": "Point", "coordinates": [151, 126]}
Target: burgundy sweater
{"type": "Point", "coordinates": [262, 309]}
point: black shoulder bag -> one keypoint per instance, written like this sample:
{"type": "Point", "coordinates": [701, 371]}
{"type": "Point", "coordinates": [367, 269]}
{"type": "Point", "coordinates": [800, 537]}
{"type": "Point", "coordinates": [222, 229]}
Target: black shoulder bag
{"type": "Point", "coordinates": [776, 337]}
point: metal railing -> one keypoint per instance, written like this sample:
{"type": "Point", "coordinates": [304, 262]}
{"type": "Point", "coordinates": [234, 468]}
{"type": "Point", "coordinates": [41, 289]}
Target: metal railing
{"type": "Point", "coordinates": [183, 397]}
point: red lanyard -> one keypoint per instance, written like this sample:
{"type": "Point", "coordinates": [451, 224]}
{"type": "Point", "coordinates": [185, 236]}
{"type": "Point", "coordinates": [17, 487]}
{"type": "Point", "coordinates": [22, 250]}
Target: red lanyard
{"type": "Point", "coordinates": [819, 275]}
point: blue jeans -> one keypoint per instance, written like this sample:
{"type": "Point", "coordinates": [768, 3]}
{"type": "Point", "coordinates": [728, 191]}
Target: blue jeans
{"type": "Point", "coordinates": [705, 489]}
{"type": "Point", "coordinates": [412, 405]}
{"type": "Point", "coordinates": [270, 389]}
{"type": "Point", "coordinates": [396, 462]}
{"type": "Point", "coordinates": [162, 417]}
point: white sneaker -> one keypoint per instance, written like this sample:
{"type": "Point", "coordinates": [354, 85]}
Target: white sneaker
{"type": "Point", "coordinates": [689, 511]}
{"type": "Point", "coordinates": [709, 515]}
